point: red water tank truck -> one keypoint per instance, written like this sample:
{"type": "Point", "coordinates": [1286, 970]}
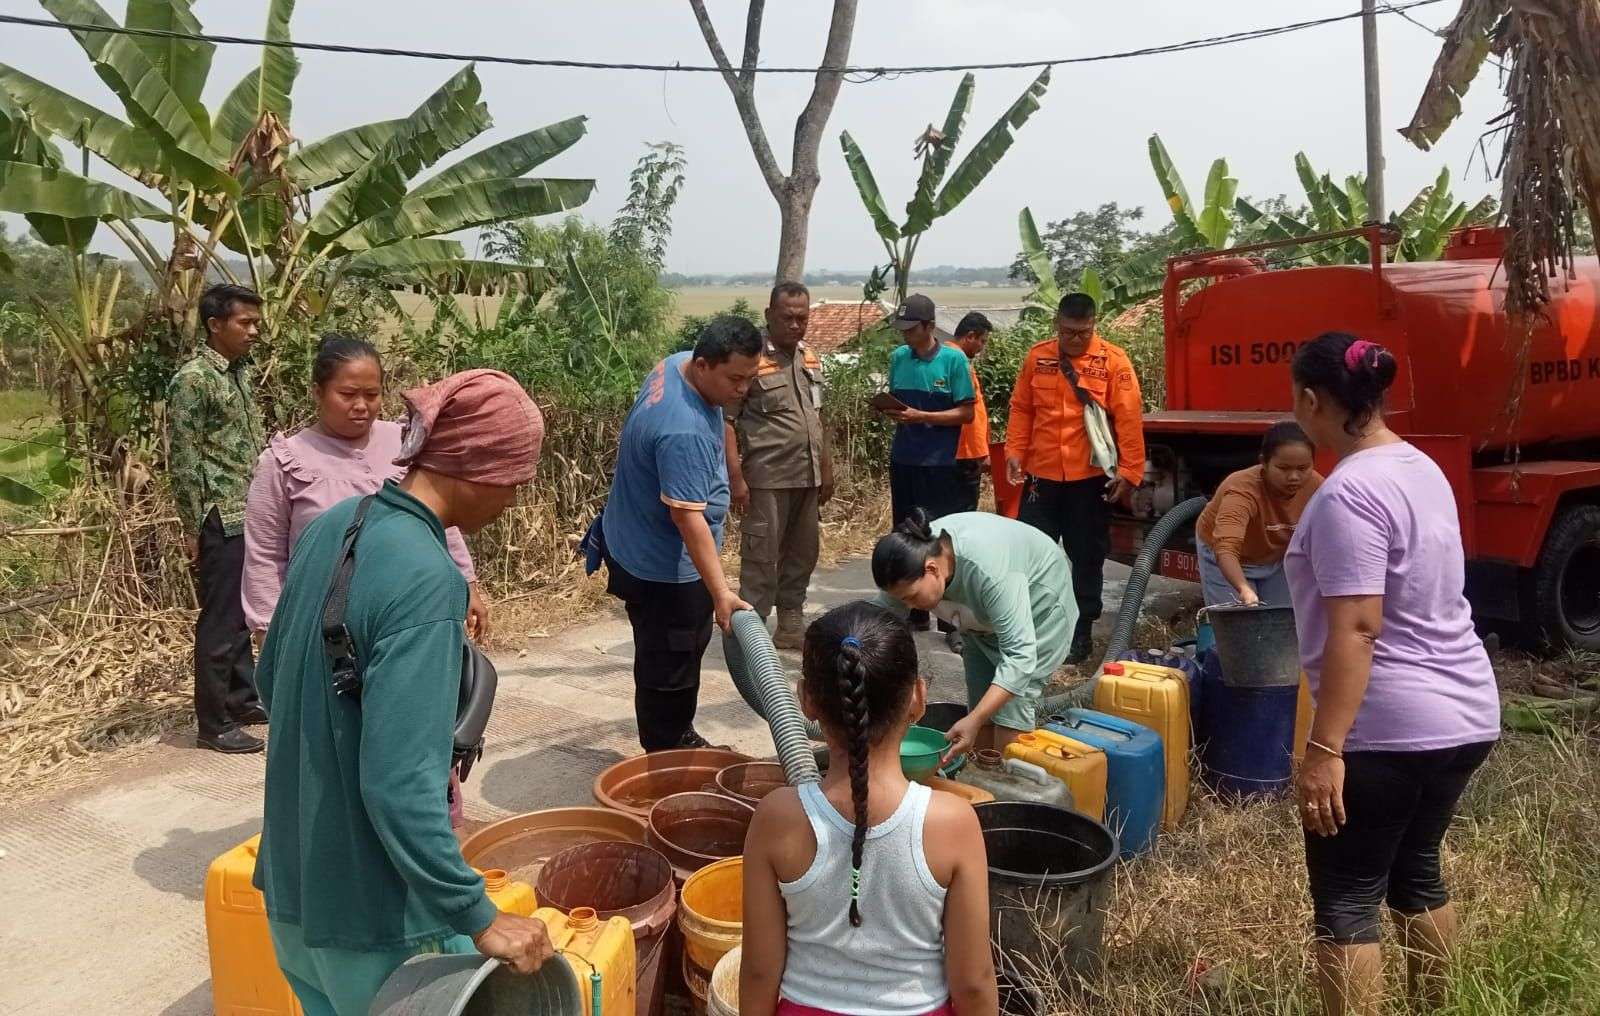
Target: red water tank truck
{"type": "Point", "coordinates": [1525, 469]}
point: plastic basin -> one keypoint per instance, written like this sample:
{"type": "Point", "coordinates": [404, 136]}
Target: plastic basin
{"type": "Point", "coordinates": [634, 785]}
{"type": "Point", "coordinates": [619, 880]}
{"type": "Point", "coordinates": [751, 781]}
{"type": "Point", "coordinates": [698, 829]}
{"type": "Point", "coordinates": [920, 752]}
{"type": "Point", "coordinates": [458, 984]}
{"type": "Point", "coordinates": [521, 844]}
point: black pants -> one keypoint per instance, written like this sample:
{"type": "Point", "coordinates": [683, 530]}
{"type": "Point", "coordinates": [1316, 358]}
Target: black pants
{"type": "Point", "coordinates": [224, 667]}
{"type": "Point", "coordinates": [934, 489]}
{"type": "Point", "coordinates": [1398, 805]}
{"type": "Point", "coordinates": [671, 628]}
{"type": "Point", "coordinates": [1075, 513]}
{"type": "Point", "coordinates": [970, 474]}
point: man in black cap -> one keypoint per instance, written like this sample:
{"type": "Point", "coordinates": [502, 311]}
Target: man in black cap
{"type": "Point", "coordinates": [933, 384]}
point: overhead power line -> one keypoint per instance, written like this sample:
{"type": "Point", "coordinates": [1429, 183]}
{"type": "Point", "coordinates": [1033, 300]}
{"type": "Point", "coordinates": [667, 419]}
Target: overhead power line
{"type": "Point", "coordinates": [682, 68]}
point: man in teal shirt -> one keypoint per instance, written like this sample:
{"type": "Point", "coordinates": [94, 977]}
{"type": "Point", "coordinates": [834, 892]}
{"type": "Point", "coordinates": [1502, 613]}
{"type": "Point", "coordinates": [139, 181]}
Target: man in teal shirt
{"type": "Point", "coordinates": [358, 862]}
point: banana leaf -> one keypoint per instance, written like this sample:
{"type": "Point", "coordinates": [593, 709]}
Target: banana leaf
{"type": "Point", "coordinates": [20, 138]}
{"type": "Point", "coordinates": [407, 252]}
{"type": "Point", "coordinates": [448, 119]}
{"type": "Point", "coordinates": [26, 189]}
{"type": "Point", "coordinates": [146, 96]}
{"type": "Point", "coordinates": [509, 158]}
{"type": "Point", "coordinates": [334, 158]}
{"type": "Point", "coordinates": [1216, 219]}
{"type": "Point", "coordinates": [867, 187]}
{"type": "Point", "coordinates": [64, 208]}
{"type": "Point", "coordinates": [442, 265]}
{"type": "Point", "coordinates": [919, 210]}
{"type": "Point", "coordinates": [132, 151]}
{"type": "Point", "coordinates": [1355, 191]}
{"type": "Point", "coordinates": [183, 63]}
{"type": "Point", "coordinates": [1323, 211]}
{"type": "Point", "coordinates": [1467, 42]}
{"type": "Point", "coordinates": [1089, 283]}
{"type": "Point", "coordinates": [986, 154]}
{"type": "Point", "coordinates": [267, 87]}
{"type": "Point", "coordinates": [1189, 234]}
{"type": "Point", "coordinates": [18, 493]}
{"type": "Point", "coordinates": [480, 203]}
{"type": "Point", "coordinates": [1046, 290]}
{"type": "Point", "coordinates": [1340, 202]}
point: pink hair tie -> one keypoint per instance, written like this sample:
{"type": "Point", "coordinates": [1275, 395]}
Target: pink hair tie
{"type": "Point", "coordinates": [1357, 352]}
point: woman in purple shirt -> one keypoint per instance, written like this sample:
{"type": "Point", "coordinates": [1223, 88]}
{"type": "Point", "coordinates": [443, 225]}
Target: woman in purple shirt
{"type": "Point", "coordinates": [1407, 706]}
{"type": "Point", "coordinates": [347, 453]}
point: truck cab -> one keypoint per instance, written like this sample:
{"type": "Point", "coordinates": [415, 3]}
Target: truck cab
{"type": "Point", "coordinates": [1509, 412]}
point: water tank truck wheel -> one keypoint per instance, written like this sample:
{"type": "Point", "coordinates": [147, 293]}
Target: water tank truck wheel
{"type": "Point", "coordinates": [1564, 591]}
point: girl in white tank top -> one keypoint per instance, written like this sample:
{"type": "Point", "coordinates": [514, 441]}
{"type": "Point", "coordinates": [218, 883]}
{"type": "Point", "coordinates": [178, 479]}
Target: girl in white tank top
{"type": "Point", "coordinates": [865, 895]}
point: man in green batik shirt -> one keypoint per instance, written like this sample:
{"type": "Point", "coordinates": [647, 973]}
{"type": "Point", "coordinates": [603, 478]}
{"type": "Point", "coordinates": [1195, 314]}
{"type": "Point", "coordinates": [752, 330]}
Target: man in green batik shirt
{"type": "Point", "coordinates": [216, 434]}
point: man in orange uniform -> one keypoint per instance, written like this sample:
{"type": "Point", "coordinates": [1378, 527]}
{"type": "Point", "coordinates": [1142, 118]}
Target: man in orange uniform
{"type": "Point", "coordinates": [972, 451]}
{"type": "Point", "coordinates": [1050, 448]}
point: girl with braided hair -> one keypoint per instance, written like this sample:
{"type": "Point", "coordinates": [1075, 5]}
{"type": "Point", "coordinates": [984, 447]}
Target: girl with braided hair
{"type": "Point", "coordinates": [866, 894]}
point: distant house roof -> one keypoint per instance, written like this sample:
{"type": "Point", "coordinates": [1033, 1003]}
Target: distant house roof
{"type": "Point", "coordinates": [1000, 317]}
{"type": "Point", "coordinates": [834, 324]}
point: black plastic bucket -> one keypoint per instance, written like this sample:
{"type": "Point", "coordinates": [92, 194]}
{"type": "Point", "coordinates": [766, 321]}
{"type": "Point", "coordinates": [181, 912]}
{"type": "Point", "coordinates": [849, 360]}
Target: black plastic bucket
{"type": "Point", "coordinates": [941, 716]}
{"type": "Point", "coordinates": [1049, 881]}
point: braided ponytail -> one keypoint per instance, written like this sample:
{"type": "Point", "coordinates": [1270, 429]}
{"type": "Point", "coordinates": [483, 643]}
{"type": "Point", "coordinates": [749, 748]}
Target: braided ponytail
{"type": "Point", "coordinates": [852, 673]}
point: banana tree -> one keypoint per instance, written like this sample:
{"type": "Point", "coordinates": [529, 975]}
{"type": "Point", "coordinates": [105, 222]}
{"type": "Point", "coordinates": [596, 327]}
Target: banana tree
{"type": "Point", "coordinates": [1424, 224]}
{"type": "Point", "coordinates": [936, 197]}
{"type": "Point", "coordinates": [1132, 281]}
{"type": "Point", "coordinates": [1209, 225]}
{"type": "Point", "coordinates": [303, 220]}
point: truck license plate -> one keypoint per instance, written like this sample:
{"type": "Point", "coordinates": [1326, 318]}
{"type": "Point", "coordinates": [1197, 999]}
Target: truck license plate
{"type": "Point", "coordinates": [1180, 564]}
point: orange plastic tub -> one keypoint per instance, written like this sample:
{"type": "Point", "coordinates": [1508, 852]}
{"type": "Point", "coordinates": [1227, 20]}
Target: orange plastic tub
{"type": "Point", "coordinates": [520, 845]}
{"type": "Point", "coordinates": [698, 829]}
{"type": "Point", "coordinates": [751, 781]}
{"type": "Point", "coordinates": [634, 785]}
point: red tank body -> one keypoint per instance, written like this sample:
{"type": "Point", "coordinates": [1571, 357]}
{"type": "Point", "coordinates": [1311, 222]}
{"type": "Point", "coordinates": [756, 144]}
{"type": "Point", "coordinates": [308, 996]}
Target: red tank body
{"type": "Point", "coordinates": [1445, 322]}
{"type": "Point", "coordinates": [1526, 474]}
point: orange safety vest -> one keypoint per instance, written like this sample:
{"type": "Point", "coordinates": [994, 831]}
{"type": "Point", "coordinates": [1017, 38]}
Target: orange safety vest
{"type": "Point", "coordinates": [1046, 430]}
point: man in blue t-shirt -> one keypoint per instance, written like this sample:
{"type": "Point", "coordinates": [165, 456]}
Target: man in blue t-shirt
{"type": "Point", "coordinates": [662, 526]}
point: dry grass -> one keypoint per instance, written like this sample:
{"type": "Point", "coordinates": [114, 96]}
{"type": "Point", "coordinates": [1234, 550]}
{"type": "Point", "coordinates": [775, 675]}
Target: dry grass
{"type": "Point", "coordinates": [1215, 919]}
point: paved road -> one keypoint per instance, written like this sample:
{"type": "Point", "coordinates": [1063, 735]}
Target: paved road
{"type": "Point", "coordinates": [101, 907]}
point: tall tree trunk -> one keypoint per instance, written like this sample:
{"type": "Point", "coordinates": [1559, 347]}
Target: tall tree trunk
{"type": "Point", "coordinates": [795, 191]}
{"type": "Point", "coordinates": [794, 212]}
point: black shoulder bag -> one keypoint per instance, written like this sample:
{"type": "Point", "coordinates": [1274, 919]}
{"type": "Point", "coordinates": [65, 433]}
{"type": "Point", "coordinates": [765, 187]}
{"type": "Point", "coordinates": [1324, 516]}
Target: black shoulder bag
{"type": "Point", "coordinates": [478, 677]}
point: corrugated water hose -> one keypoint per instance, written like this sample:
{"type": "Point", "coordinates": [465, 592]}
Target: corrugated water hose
{"type": "Point", "coordinates": [1132, 602]}
{"type": "Point", "coordinates": [758, 673]}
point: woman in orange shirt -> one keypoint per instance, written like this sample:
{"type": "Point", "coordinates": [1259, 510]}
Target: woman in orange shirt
{"type": "Point", "coordinates": [1243, 533]}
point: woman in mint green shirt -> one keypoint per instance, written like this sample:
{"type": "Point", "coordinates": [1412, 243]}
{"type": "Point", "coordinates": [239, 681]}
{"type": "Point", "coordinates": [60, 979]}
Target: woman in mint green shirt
{"type": "Point", "coordinates": [1008, 589]}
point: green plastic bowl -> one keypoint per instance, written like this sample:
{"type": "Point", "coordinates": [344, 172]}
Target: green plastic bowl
{"type": "Point", "coordinates": [920, 752]}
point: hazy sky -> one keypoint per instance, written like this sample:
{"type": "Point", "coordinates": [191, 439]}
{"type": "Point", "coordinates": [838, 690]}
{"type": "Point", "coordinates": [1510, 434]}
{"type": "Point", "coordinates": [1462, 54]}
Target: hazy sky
{"type": "Point", "coordinates": [1256, 103]}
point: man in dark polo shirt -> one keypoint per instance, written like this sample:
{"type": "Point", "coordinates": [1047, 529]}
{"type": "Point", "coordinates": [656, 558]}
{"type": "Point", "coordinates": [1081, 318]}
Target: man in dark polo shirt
{"type": "Point", "coordinates": [933, 383]}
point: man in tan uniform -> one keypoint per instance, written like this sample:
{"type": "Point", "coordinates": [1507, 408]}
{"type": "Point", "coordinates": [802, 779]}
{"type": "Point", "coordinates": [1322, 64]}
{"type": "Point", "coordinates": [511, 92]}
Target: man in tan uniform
{"type": "Point", "coordinates": [780, 470]}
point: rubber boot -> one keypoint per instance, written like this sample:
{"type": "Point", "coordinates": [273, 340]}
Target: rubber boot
{"type": "Point", "coordinates": [791, 632]}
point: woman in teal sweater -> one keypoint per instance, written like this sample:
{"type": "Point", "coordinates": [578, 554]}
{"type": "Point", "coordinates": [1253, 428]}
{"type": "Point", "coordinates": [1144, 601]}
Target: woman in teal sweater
{"type": "Point", "coordinates": [1008, 589]}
